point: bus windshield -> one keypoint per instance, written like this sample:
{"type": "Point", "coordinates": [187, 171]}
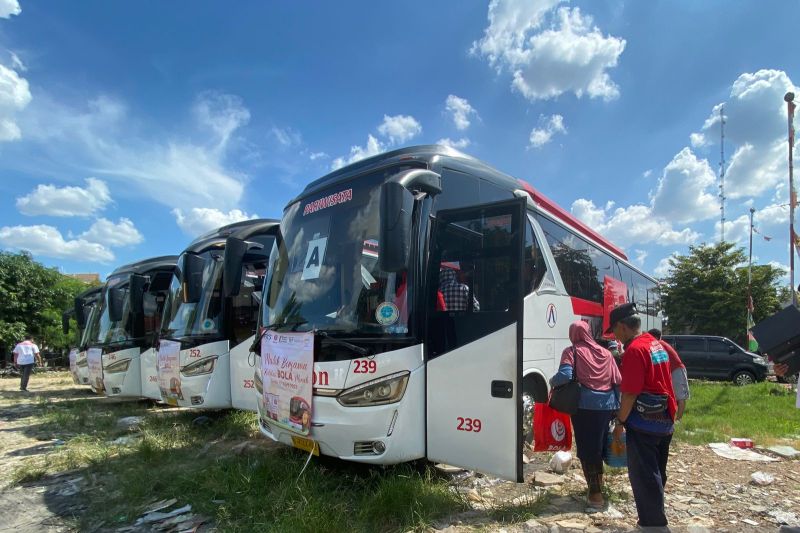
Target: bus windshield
{"type": "Point", "coordinates": [203, 317]}
{"type": "Point", "coordinates": [90, 329]}
{"type": "Point", "coordinates": [109, 331]}
{"type": "Point", "coordinates": [324, 272]}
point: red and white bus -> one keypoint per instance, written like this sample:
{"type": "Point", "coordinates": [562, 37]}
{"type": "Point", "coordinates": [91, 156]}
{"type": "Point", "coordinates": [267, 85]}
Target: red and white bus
{"type": "Point", "coordinates": [439, 292]}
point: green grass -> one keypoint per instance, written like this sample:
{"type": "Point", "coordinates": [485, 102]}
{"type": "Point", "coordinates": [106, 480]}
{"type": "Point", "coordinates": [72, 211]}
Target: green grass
{"type": "Point", "coordinates": [256, 488]}
{"type": "Point", "coordinates": [716, 412]}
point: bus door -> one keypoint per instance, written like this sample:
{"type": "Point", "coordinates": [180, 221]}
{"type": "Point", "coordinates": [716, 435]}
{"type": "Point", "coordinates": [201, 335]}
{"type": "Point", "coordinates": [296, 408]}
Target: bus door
{"type": "Point", "coordinates": [474, 344]}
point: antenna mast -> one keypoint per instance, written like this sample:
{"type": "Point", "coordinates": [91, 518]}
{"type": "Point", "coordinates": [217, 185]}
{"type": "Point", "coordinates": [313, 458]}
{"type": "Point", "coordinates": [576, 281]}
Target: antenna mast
{"type": "Point", "coordinates": [722, 173]}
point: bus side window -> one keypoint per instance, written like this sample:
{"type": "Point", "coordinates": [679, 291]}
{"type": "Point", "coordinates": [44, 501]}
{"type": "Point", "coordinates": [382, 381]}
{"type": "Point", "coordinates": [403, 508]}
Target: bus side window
{"type": "Point", "coordinates": [534, 267]}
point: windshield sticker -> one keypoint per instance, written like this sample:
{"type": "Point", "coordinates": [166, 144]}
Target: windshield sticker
{"type": "Point", "coordinates": [314, 257]}
{"type": "Point", "coordinates": [328, 201]}
{"type": "Point", "coordinates": [366, 278]}
{"type": "Point", "coordinates": [208, 324]}
{"type": "Point", "coordinates": [287, 369]}
{"type": "Point", "coordinates": [387, 314]}
{"type": "Point", "coordinates": [370, 248]}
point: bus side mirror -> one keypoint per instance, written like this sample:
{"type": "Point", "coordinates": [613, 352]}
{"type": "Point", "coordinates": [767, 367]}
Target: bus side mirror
{"type": "Point", "coordinates": [235, 249]}
{"type": "Point", "coordinates": [65, 323]}
{"type": "Point", "coordinates": [397, 205]}
{"type": "Point", "coordinates": [193, 266]}
{"type": "Point", "coordinates": [138, 286]}
{"type": "Point", "coordinates": [80, 313]}
{"type": "Point", "coordinates": [116, 303]}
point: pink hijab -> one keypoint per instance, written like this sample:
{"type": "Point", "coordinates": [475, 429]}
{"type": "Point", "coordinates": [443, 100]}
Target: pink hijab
{"type": "Point", "coordinates": [596, 366]}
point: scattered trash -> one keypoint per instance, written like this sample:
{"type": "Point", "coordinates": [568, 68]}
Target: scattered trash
{"type": "Point", "coordinates": [125, 440]}
{"type": "Point", "coordinates": [742, 443]}
{"type": "Point", "coordinates": [787, 452]}
{"type": "Point", "coordinates": [58, 442]}
{"type": "Point", "coordinates": [784, 517]}
{"type": "Point", "coordinates": [158, 506]}
{"type": "Point", "coordinates": [150, 518]}
{"type": "Point", "coordinates": [560, 462]}
{"type": "Point", "coordinates": [762, 479]}
{"type": "Point", "coordinates": [738, 454]}
{"type": "Point", "coordinates": [201, 420]}
{"type": "Point", "coordinates": [448, 469]}
{"type": "Point", "coordinates": [749, 522]}
{"type": "Point", "coordinates": [544, 479]}
{"type": "Point", "coordinates": [130, 422]}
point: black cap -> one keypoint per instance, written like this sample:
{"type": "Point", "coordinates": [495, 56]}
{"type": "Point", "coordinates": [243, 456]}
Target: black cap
{"type": "Point", "coordinates": [618, 313]}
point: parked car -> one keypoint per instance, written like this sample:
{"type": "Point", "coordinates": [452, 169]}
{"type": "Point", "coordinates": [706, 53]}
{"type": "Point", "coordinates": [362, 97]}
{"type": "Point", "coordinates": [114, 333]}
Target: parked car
{"type": "Point", "coordinates": [718, 358]}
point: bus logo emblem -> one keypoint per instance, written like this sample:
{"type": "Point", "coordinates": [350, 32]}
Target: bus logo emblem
{"type": "Point", "coordinates": [551, 315]}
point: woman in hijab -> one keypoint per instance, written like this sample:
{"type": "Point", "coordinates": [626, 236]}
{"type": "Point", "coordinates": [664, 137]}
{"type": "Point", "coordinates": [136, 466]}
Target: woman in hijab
{"type": "Point", "coordinates": [598, 376]}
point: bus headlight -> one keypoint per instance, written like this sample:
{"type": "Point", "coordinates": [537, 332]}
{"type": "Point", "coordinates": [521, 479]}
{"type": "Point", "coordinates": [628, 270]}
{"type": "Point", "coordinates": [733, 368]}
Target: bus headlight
{"type": "Point", "coordinates": [198, 368]}
{"type": "Point", "coordinates": [118, 366]}
{"type": "Point", "coordinates": [388, 389]}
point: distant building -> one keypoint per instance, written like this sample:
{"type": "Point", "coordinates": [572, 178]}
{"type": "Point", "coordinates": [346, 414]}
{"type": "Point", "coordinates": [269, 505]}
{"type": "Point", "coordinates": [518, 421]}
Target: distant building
{"type": "Point", "coordinates": [86, 278]}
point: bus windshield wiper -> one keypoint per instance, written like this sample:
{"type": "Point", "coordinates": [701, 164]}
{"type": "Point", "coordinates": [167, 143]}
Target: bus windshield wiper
{"type": "Point", "coordinates": [333, 340]}
{"type": "Point", "coordinates": [257, 341]}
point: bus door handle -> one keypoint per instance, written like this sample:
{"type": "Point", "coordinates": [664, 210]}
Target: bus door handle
{"type": "Point", "coordinates": [502, 389]}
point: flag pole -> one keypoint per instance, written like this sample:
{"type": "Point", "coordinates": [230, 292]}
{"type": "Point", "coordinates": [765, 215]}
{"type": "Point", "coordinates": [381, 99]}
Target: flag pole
{"type": "Point", "coordinates": [750, 282]}
{"type": "Point", "coordinates": [790, 105]}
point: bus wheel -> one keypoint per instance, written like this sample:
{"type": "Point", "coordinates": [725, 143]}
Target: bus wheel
{"type": "Point", "coordinates": [527, 417]}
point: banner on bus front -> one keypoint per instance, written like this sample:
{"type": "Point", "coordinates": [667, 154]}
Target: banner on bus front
{"type": "Point", "coordinates": [73, 363]}
{"type": "Point", "coordinates": [287, 369]}
{"type": "Point", "coordinates": [94, 358]}
{"type": "Point", "coordinates": [169, 371]}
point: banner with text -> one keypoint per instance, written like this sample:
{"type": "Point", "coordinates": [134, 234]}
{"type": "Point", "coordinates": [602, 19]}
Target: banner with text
{"type": "Point", "coordinates": [94, 358]}
{"type": "Point", "coordinates": [73, 362]}
{"type": "Point", "coordinates": [287, 368]}
{"type": "Point", "coordinates": [169, 371]}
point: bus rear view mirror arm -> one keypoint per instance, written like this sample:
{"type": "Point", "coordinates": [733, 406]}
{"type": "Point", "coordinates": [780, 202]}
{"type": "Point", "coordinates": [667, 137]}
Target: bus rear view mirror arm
{"type": "Point", "coordinates": [235, 250]}
{"type": "Point", "coordinates": [397, 207]}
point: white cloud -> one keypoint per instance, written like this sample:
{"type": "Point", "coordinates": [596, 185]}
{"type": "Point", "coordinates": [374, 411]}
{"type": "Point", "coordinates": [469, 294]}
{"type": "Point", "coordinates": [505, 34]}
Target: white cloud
{"type": "Point", "coordinates": [755, 126]}
{"type": "Point", "coordinates": [569, 54]}
{"type": "Point", "coordinates": [109, 234]}
{"type": "Point", "coordinates": [631, 225]}
{"type": "Point", "coordinates": [42, 240]}
{"type": "Point", "coordinates": [104, 139]}
{"type": "Point", "coordinates": [640, 256]}
{"type": "Point", "coordinates": [317, 155]}
{"type": "Point", "coordinates": [399, 128]}
{"type": "Point", "coordinates": [682, 194]}
{"type": "Point", "coordinates": [663, 269]}
{"type": "Point", "coordinates": [8, 8]}
{"type": "Point", "coordinates": [357, 153]}
{"type": "Point", "coordinates": [199, 220]}
{"type": "Point", "coordinates": [66, 201]}
{"type": "Point", "coordinates": [769, 221]}
{"type": "Point", "coordinates": [460, 110]}
{"type": "Point", "coordinates": [15, 95]}
{"type": "Point", "coordinates": [698, 140]}
{"type": "Point", "coordinates": [287, 137]}
{"type": "Point", "coordinates": [458, 144]}
{"type": "Point", "coordinates": [549, 126]}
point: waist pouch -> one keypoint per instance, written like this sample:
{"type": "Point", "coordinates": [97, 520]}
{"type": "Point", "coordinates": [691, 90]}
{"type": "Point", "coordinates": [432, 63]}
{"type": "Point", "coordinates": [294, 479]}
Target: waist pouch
{"type": "Point", "coordinates": [650, 414]}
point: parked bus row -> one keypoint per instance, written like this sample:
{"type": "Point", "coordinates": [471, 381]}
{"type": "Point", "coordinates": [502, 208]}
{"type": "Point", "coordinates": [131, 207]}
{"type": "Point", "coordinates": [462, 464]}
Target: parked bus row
{"type": "Point", "coordinates": [408, 306]}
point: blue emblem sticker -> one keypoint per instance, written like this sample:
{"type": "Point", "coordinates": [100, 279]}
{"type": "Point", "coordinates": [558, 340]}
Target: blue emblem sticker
{"type": "Point", "coordinates": [208, 324]}
{"type": "Point", "coordinates": [387, 314]}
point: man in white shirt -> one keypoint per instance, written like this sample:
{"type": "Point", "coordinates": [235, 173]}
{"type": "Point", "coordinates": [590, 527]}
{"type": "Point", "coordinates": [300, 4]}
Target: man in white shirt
{"type": "Point", "coordinates": [26, 354]}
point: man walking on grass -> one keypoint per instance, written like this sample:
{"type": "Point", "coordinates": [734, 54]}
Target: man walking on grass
{"type": "Point", "coordinates": [26, 353]}
{"type": "Point", "coordinates": [647, 411]}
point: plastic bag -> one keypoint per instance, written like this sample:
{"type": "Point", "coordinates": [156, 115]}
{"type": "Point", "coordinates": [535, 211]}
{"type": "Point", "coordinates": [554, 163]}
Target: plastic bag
{"type": "Point", "coordinates": [560, 462]}
{"type": "Point", "coordinates": [616, 452]}
{"type": "Point", "coordinates": [552, 430]}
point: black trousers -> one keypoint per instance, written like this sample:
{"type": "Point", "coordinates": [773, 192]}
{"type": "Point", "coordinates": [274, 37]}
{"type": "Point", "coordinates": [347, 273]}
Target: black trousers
{"type": "Point", "coordinates": [647, 471]}
{"type": "Point", "coordinates": [591, 435]}
{"type": "Point", "coordinates": [25, 375]}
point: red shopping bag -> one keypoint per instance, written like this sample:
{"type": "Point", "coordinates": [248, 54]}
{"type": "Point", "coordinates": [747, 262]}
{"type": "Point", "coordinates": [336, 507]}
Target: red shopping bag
{"type": "Point", "coordinates": [552, 430]}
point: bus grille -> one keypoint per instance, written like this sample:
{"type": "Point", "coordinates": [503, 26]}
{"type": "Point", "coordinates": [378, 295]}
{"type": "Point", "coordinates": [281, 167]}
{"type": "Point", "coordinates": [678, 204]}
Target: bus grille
{"type": "Point", "coordinates": [364, 448]}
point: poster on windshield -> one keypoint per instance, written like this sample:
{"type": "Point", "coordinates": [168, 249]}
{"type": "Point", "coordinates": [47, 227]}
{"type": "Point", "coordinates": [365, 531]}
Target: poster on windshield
{"type": "Point", "coordinates": [287, 368]}
{"type": "Point", "coordinates": [169, 371]}
{"type": "Point", "coordinates": [73, 362]}
{"type": "Point", "coordinates": [94, 358]}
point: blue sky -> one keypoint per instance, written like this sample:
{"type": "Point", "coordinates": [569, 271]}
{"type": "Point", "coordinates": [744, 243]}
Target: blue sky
{"type": "Point", "coordinates": [128, 128]}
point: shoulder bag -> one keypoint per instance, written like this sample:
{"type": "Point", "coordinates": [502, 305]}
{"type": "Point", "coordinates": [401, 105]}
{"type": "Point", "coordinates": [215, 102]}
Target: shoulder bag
{"type": "Point", "coordinates": [565, 398]}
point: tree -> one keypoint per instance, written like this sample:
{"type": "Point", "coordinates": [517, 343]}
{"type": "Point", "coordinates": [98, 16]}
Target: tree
{"type": "Point", "coordinates": [706, 291]}
{"type": "Point", "coordinates": [32, 298]}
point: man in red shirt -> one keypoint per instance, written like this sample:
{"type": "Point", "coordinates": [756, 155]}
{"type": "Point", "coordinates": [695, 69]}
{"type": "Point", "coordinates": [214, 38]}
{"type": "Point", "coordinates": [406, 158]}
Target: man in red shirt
{"type": "Point", "coordinates": [647, 411]}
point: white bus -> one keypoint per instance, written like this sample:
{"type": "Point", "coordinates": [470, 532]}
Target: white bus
{"type": "Point", "coordinates": [204, 356]}
{"type": "Point", "coordinates": [440, 293]}
{"type": "Point", "coordinates": [83, 311]}
{"type": "Point", "coordinates": [121, 356]}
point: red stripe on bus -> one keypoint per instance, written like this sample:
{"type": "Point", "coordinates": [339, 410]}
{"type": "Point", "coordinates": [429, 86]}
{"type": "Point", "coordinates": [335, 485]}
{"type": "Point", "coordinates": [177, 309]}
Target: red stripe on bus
{"type": "Point", "coordinates": [557, 211]}
{"type": "Point", "coordinates": [586, 307]}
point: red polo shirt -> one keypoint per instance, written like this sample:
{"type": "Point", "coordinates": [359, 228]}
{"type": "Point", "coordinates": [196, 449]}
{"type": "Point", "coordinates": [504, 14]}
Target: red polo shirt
{"type": "Point", "coordinates": [646, 368]}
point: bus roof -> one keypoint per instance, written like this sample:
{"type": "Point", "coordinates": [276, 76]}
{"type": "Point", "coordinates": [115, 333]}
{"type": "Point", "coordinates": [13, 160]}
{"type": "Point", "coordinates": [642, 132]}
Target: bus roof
{"type": "Point", "coordinates": [241, 230]}
{"type": "Point", "coordinates": [163, 262]}
{"type": "Point", "coordinates": [429, 154]}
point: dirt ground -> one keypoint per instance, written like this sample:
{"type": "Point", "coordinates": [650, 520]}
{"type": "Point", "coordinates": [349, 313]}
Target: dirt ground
{"type": "Point", "coordinates": [705, 492]}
